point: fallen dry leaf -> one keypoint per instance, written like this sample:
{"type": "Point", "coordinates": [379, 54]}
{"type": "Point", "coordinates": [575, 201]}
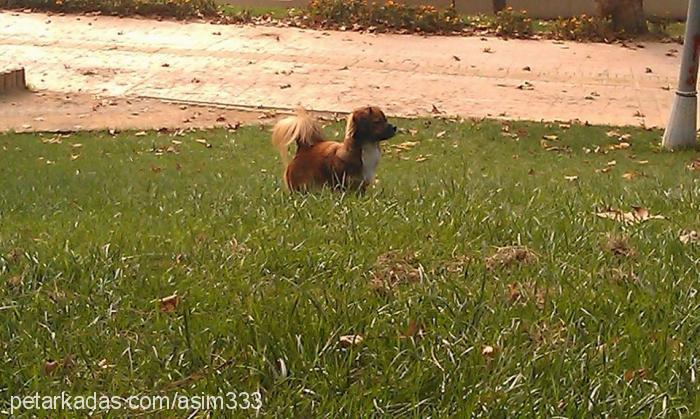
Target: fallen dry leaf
{"type": "Point", "coordinates": [104, 364]}
{"type": "Point", "coordinates": [488, 351]}
{"type": "Point", "coordinates": [140, 134]}
{"type": "Point", "coordinates": [50, 366]}
{"type": "Point", "coordinates": [203, 142]}
{"type": "Point", "coordinates": [405, 146]}
{"type": "Point", "coordinates": [413, 330]}
{"type": "Point", "coordinates": [347, 341]}
{"type": "Point", "coordinates": [631, 375]}
{"type": "Point", "coordinates": [637, 215]}
{"type": "Point", "coordinates": [694, 165]}
{"type": "Point", "coordinates": [571, 178]}
{"type": "Point", "coordinates": [53, 140]}
{"type": "Point", "coordinates": [441, 134]}
{"type": "Point", "coordinates": [551, 137]}
{"type": "Point", "coordinates": [689, 237]}
{"type": "Point", "coordinates": [619, 146]}
{"type": "Point", "coordinates": [629, 175]}
{"type": "Point", "coordinates": [513, 292]}
{"type": "Point", "coordinates": [169, 304]}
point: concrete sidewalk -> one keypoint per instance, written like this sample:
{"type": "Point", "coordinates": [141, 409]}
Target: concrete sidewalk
{"type": "Point", "coordinates": [336, 71]}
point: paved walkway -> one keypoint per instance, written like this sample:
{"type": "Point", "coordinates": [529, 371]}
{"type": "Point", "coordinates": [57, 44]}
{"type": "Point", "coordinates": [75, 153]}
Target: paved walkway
{"type": "Point", "coordinates": [336, 71]}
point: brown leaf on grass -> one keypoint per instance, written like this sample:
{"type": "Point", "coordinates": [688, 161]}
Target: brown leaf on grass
{"type": "Point", "coordinates": [140, 134]}
{"type": "Point", "coordinates": [53, 140]}
{"type": "Point", "coordinates": [694, 165]}
{"type": "Point", "coordinates": [571, 178]}
{"type": "Point", "coordinates": [630, 175]}
{"type": "Point", "coordinates": [169, 304]}
{"type": "Point", "coordinates": [422, 158]}
{"type": "Point", "coordinates": [203, 142]}
{"type": "Point", "coordinates": [508, 256]}
{"type": "Point", "coordinates": [637, 215]}
{"type": "Point", "coordinates": [513, 292]}
{"type": "Point", "coordinates": [618, 245]}
{"type": "Point", "coordinates": [488, 351]}
{"type": "Point", "coordinates": [405, 146]}
{"type": "Point", "coordinates": [619, 146]}
{"type": "Point", "coordinates": [50, 366]}
{"type": "Point", "coordinates": [689, 237]}
{"type": "Point", "coordinates": [347, 341]}
{"type": "Point", "coordinates": [441, 134]}
{"type": "Point", "coordinates": [414, 330]}
{"type": "Point", "coordinates": [631, 375]}
{"type": "Point", "coordinates": [104, 364]}
{"type": "Point", "coordinates": [550, 137]}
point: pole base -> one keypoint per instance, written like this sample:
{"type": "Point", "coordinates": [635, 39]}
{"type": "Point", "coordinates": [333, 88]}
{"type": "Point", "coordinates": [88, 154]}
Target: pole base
{"type": "Point", "coordinates": [681, 129]}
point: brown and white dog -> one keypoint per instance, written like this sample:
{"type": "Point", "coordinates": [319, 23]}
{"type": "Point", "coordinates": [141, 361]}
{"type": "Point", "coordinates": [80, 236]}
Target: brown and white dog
{"type": "Point", "coordinates": [318, 163]}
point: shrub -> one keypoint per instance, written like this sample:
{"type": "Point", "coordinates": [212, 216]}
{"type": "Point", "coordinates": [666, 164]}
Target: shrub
{"type": "Point", "coordinates": [583, 28]}
{"type": "Point", "coordinates": [174, 8]}
{"type": "Point", "coordinates": [512, 24]}
{"type": "Point", "coordinates": [388, 15]}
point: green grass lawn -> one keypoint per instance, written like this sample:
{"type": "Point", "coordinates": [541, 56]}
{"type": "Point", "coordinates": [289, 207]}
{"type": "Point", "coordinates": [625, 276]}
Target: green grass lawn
{"type": "Point", "coordinates": [601, 318]}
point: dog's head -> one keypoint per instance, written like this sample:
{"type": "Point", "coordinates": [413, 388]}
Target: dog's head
{"type": "Point", "coordinates": [369, 125]}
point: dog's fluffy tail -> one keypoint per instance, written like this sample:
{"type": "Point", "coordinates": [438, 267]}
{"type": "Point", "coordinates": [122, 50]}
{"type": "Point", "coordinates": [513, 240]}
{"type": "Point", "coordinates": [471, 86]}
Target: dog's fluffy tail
{"type": "Point", "coordinates": [301, 128]}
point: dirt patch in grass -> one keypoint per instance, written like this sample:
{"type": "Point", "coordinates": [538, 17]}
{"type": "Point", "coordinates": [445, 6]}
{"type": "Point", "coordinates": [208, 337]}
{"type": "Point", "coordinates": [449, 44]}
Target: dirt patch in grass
{"type": "Point", "coordinates": [394, 268]}
{"type": "Point", "coordinates": [618, 245]}
{"type": "Point", "coordinates": [510, 256]}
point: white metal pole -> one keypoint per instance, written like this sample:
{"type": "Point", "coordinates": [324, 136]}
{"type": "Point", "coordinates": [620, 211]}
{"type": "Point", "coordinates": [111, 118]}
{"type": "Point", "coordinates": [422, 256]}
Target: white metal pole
{"type": "Point", "coordinates": [682, 125]}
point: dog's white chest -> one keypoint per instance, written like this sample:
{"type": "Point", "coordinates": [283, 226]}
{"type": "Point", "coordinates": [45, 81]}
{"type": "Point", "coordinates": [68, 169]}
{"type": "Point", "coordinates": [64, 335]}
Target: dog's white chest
{"type": "Point", "coordinates": [370, 160]}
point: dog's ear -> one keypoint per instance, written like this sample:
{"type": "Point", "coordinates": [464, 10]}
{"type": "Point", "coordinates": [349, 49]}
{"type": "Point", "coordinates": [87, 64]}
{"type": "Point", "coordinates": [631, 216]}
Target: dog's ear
{"type": "Point", "coordinates": [359, 124]}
